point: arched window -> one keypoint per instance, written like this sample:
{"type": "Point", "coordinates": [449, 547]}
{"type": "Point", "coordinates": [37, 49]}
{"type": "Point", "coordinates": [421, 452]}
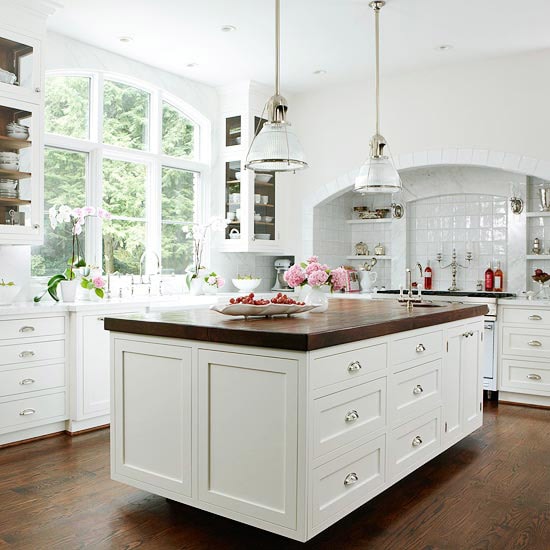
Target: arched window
{"type": "Point", "coordinates": [132, 149]}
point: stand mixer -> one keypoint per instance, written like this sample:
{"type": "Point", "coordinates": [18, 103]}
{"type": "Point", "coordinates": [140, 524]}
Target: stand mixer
{"type": "Point", "coordinates": [281, 265]}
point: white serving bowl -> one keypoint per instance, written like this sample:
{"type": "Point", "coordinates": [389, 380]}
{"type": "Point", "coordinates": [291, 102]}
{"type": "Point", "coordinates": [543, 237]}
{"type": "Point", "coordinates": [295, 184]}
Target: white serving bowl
{"type": "Point", "coordinates": [268, 219]}
{"type": "Point", "coordinates": [263, 178]}
{"type": "Point", "coordinates": [263, 236]}
{"type": "Point", "coordinates": [246, 285]}
{"type": "Point", "coordinates": [8, 294]}
{"type": "Point", "coordinates": [8, 185]}
{"type": "Point", "coordinates": [9, 166]}
{"type": "Point", "coordinates": [238, 175]}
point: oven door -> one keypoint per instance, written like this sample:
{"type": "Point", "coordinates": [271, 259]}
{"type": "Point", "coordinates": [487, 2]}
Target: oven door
{"type": "Point", "coordinates": [489, 362]}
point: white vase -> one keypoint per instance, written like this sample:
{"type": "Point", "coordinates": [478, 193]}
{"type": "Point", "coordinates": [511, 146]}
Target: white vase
{"type": "Point", "coordinates": [68, 290]}
{"type": "Point", "coordinates": [195, 287]}
{"type": "Point", "coordinates": [209, 289]}
{"type": "Point", "coordinates": [316, 297]}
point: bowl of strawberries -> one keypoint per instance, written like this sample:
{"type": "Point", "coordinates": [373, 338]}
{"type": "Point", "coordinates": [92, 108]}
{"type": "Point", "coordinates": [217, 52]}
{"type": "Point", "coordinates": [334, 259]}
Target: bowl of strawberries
{"type": "Point", "coordinates": [251, 306]}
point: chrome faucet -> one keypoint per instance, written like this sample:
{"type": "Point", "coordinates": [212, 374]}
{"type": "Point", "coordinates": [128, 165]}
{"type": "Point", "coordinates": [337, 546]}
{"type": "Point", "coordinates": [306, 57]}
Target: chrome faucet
{"type": "Point", "coordinates": [410, 299]}
{"type": "Point", "coordinates": [144, 257]}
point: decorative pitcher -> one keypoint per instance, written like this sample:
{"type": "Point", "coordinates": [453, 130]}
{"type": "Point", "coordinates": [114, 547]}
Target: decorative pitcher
{"type": "Point", "coordinates": [367, 280]}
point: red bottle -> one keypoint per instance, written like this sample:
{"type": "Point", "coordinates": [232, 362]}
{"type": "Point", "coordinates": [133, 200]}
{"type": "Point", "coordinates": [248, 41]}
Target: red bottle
{"type": "Point", "coordinates": [499, 279]}
{"type": "Point", "coordinates": [428, 277]}
{"type": "Point", "coordinates": [489, 279]}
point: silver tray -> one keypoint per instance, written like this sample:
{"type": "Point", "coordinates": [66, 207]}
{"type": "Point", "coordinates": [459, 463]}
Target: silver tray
{"type": "Point", "coordinates": [268, 310]}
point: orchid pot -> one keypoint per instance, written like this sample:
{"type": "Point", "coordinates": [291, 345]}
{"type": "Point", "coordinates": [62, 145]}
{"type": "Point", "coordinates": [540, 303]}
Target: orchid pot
{"type": "Point", "coordinates": [68, 290]}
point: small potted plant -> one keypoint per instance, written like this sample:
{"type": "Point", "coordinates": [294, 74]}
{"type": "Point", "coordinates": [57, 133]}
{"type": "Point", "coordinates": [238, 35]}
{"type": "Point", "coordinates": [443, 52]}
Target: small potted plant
{"type": "Point", "coordinates": [76, 218]}
{"type": "Point", "coordinates": [8, 292]}
{"type": "Point", "coordinates": [212, 282]}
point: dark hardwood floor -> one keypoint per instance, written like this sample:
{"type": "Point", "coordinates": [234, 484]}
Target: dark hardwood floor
{"type": "Point", "coordinates": [490, 491]}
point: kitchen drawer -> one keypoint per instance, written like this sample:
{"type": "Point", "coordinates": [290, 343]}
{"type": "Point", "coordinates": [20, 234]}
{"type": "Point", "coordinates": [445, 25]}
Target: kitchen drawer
{"type": "Point", "coordinates": [347, 415]}
{"type": "Point", "coordinates": [27, 328]}
{"type": "Point", "coordinates": [415, 391]}
{"type": "Point", "coordinates": [414, 442]}
{"type": "Point", "coordinates": [525, 375]}
{"type": "Point", "coordinates": [348, 365]}
{"type": "Point", "coordinates": [14, 414]}
{"type": "Point", "coordinates": [347, 479]}
{"type": "Point", "coordinates": [30, 379]}
{"type": "Point", "coordinates": [30, 352]}
{"type": "Point", "coordinates": [416, 347]}
{"type": "Point", "coordinates": [526, 342]}
{"type": "Point", "coordinates": [526, 316]}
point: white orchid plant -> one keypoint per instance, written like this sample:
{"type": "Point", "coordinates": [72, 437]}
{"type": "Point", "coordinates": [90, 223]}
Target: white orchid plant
{"type": "Point", "coordinates": [76, 218]}
{"type": "Point", "coordinates": [198, 232]}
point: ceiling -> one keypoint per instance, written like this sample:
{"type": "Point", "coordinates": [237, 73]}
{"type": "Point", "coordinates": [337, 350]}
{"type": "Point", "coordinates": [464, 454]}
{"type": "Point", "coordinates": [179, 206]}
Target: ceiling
{"type": "Point", "coordinates": [333, 35]}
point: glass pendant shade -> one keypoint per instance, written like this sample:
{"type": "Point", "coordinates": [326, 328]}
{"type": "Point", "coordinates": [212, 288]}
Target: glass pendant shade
{"type": "Point", "coordinates": [276, 148]}
{"type": "Point", "coordinates": [378, 175]}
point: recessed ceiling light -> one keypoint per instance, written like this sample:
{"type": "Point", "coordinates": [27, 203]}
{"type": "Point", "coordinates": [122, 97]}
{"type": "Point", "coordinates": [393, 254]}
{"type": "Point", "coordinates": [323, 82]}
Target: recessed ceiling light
{"type": "Point", "coordinates": [320, 71]}
{"type": "Point", "coordinates": [228, 28]}
{"type": "Point", "coordinates": [191, 65]}
{"type": "Point", "coordinates": [125, 39]}
{"type": "Point", "coordinates": [445, 47]}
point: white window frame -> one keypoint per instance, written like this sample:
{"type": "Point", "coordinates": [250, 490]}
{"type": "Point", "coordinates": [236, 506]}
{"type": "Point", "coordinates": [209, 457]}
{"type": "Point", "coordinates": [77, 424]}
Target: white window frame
{"type": "Point", "coordinates": [154, 158]}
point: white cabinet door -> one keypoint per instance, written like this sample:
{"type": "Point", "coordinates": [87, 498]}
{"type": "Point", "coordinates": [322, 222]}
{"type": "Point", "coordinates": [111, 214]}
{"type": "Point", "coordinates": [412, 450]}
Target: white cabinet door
{"type": "Point", "coordinates": [248, 424]}
{"type": "Point", "coordinates": [472, 378]}
{"type": "Point", "coordinates": [451, 384]}
{"type": "Point", "coordinates": [151, 422]}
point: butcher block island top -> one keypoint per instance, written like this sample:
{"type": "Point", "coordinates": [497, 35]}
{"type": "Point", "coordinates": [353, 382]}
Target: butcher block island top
{"type": "Point", "coordinates": [345, 321]}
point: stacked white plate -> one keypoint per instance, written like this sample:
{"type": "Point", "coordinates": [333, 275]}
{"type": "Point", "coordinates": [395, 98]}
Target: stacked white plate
{"type": "Point", "coordinates": [18, 131]}
{"type": "Point", "coordinates": [9, 188]}
{"type": "Point", "coordinates": [7, 78]}
{"type": "Point", "coordinates": [9, 161]}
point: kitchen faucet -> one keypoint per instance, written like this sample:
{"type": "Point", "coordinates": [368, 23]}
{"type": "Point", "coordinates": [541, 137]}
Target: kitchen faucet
{"type": "Point", "coordinates": [420, 269]}
{"type": "Point", "coordinates": [410, 300]}
{"type": "Point", "coordinates": [144, 257]}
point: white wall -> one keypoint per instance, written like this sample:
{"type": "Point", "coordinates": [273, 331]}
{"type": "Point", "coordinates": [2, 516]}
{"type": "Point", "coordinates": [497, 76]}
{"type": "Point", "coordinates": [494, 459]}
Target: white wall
{"type": "Point", "coordinates": [499, 104]}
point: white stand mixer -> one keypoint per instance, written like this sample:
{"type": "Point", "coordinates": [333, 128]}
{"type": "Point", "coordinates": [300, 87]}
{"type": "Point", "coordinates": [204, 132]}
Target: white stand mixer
{"type": "Point", "coordinates": [281, 265]}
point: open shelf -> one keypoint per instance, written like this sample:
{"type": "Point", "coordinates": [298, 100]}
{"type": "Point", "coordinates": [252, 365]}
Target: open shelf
{"type": "Point", "coordinates": [5, 201]}
{"type": "Point", "coordinates": [263, 223]}
{"type": "Point", "coordinates": [375, 220]}
{"type": "Point", "coordinates": [368, 257]}
{"type": "Point", "coordinates": [537, 257]}
{"type": "Point", "coordinates": [14, 174]}
{"type": "Point", "coordinates": [14, 143]}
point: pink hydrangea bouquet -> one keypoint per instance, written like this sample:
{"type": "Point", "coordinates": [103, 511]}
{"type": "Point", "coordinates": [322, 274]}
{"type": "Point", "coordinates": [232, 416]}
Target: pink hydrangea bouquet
{"type": "Point", "coordinates": [315, 274]}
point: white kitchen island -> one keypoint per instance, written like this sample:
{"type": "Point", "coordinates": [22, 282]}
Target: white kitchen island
{"type": "Point", "coordinates": [290, 424]}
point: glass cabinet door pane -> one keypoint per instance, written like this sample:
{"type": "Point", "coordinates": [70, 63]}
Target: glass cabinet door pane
{"type": "Point", "coordinates": [233, 199]}
{"type": "Point", "coordinates": [16, 63]}
{"type": "Point", "coordinates": [232, 131]}
{"type": "Point", "coordinates": [264, 206]}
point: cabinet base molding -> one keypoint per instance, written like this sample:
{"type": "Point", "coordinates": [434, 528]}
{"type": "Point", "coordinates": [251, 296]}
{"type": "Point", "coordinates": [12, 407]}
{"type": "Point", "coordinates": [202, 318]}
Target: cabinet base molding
{"type": "Point", "coordinates": [75, 427]}
{"type": "Point", "coordinates": [88, 430]}
{"type": "Point", "coordinates": [32, 434]}
{"type": "Point", "coordinates": [512, 398]}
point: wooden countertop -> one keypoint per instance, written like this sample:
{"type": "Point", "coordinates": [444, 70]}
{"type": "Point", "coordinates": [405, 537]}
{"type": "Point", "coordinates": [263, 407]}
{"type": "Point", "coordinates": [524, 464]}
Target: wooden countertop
{"type": "Point", "coordinates": [345, 321]}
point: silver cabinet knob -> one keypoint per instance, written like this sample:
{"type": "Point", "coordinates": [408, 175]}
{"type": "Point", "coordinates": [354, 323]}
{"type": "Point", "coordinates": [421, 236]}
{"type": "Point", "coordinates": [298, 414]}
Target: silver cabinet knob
{"type": "Point", "coordinates": [36, 226]}
{"type": "Point", "coordinates": [418, 389]}
{"type": "Point", "coordinates": [351, 479]}
{"type": "Point", "coordinates": [534, 377]}
{"type": "Point", "coordinates": [101, 319]}
{"type": "Point", "coordinates": [352, 416]}
{"type": "Point", "coordinates": [420, 348]}
{"type": "Point", "coordinates": [467, 334]}
{"type": "Point", "coordinates": [27, 381]}
{"type": "Point", "coordinates": [26, 329]}
{"type": "Point", "coordinates": [354, 366]}
{"type": "Point", "coordinates": [535, 343]}
{"type": "Point", "coordinates": [535, 318]}
{"type": "Point", "coordinates": [417, 441]}
{"type": "Point", "coordinates": [37, 90]}
{"type": "Point", "coordinates": [27, 412]}
{"type": "Point", "coordinates": [26, 354]}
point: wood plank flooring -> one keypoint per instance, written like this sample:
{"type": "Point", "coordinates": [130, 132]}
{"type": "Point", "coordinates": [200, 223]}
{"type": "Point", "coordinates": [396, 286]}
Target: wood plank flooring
{"type": "Point", "coordinates": [488, 492]}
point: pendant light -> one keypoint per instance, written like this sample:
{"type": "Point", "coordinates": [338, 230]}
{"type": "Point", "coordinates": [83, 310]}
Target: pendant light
{"type": "Point", "coordinates": [276, 148]}
{"type": "Point", "coordinates": [378, 174]}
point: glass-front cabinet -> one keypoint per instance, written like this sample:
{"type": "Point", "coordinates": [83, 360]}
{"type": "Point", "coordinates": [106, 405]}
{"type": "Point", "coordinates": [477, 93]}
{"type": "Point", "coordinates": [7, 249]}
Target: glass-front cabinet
{"type": "Point", "coordinates": [20, 73]}
{"type": "Point", "coordinates": [251, 200]}
{"type": "Point", "coordinates": [20, 173]}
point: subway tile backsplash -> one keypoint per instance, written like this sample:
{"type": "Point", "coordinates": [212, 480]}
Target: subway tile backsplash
{"type": "Point", "coordinates": [467, 223]}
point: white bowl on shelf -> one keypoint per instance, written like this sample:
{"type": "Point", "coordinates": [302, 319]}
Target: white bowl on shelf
{"type": "Point", "coordinates": [7, 78]}
{"type": "Point", "coordinates": [263, 178]}
{"type": "Point", "coordinates": [8, 185]}
{"type": "Point", "coordinates": [238, 175]}
{"type": "Point", "coordinates": [268, 219]}
{"type": "Point", "coordinates": [246, 285]}
{"type": "Point", "coordinates": [8, 294]}
{"type": "Point", "coordinates": [262, 236]}
{"type": "Point", "coordinates": [9, 165]}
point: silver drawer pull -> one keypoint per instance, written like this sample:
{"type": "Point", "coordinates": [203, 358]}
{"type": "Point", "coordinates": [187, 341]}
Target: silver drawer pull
{"type": "Point", "coordinates": [417, 441]}
{"type": "Point", "coordinates": [535, 318]}
{"type": "Point", "coordinates": [351, 479]}
{"type": "Point", "coordinates": [27, 412]}
{"type": "Point", "coordinates": [352, 416]}
{"type": "Point", "coordinates": [420, 348]}
{"type": "Point", "coordinates": [534, 377]}
{"type": "Point", "coordinates": [418, 389]}
{"type": "Point", "coordinates": [26, 329]}
{"type": "Point", "coordinates": [534, 343]}
{"type": "Point", "coordinates": [26, 354]}
{"type": "Point", "coordinates": [465, 334]}
{"type": "Point", "coordinates": [354, 366]}
{"type": "Point", "coordinates": [27, 381]}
